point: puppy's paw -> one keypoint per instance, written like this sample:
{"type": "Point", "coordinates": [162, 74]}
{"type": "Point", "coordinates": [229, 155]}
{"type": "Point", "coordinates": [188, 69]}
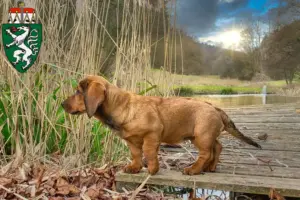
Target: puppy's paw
{"type": "Point", "coordinates": [153, 169]}
{"type": "Point", "coordinates": [130, 169]}
{"type": "Point", "coordinates": [191, 171]}
{"type": "Point", "coordinates": [210, 168]}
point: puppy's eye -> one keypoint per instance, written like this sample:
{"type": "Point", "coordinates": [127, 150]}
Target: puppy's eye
{"type": "Point", "coordinates": [77, 92]}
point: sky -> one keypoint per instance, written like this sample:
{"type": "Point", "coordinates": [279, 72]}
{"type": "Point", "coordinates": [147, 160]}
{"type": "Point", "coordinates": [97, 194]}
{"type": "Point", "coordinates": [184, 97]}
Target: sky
{"type": "Point", "coordinates": [213, 21]}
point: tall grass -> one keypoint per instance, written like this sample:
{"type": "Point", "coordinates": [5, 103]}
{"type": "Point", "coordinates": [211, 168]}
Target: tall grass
{"type": "Point", "coordinates": [110, 37]}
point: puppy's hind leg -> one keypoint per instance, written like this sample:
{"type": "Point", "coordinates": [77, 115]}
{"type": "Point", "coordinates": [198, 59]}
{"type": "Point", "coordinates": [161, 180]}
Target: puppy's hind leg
{"type": "Point", "coordinates": [216, 158]}
{"type": "Point", "coordinates": [203, 141]}
{"type": "Point", "coordinates": [211, 159]}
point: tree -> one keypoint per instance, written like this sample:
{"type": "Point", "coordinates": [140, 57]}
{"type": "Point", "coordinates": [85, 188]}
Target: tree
{"type": "Point", "coordinates": [285, 13]}
{"type": "Point", "coordinates": [281, 51]}
{"type": "Point", "coordinates": [252, 37]}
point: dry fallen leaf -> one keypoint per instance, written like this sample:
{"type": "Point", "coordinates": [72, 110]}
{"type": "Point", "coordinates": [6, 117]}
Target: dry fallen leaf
{"type": "Point", "coordinates": [56, 198]}
{"type": "Point", "coordinates": [52, 191]}
{"type": "Point", "coordinates": [106, 175]}
{"type": "Point", "coordinates": [99, 171]}
{"type": "Point", "coordinates": [88, 181]}
{"type": "Point", "coordinates": [72, 198]}
{"type": "Point", "coordinates": [92, 193]}
{"type": "Point", "coordinates": [61, 182]}
{"type": "Point", "coordinates": [6, 168]}
{"type": "Point", "coordinates": [74, 190]}
{"type": "Point", "coordinates": [275, 195]}
{"type": "Point", "coordinates": [40, 177]}
{"type": "Point", "coordinates": [63, 190]}
{"type": "Point", "coordinates": [6, 182]}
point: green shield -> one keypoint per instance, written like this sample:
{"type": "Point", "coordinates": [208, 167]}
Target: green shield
{"type": "Point", "coordinates": [22, 44]}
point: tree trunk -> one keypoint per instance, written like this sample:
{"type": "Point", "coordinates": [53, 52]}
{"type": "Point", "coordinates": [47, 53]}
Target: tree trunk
{"type": "Point", "coordinates": [291, 77]}
{"type": "Point", "coordinates": [285, 76]}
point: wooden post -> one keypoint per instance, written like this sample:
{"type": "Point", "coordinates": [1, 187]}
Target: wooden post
{"type": "Point", "coordinates": [232, 195]}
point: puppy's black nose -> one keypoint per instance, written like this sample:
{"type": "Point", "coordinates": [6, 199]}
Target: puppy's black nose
{"type": "Point", "coordinates": [63, 104]}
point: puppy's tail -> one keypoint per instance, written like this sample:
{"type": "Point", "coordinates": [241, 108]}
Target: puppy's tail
{"type": "Point", "coordinates": [233, 130]}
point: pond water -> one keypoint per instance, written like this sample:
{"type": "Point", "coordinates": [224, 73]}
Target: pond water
{"type": "Point", "coordinates": [246, 100]}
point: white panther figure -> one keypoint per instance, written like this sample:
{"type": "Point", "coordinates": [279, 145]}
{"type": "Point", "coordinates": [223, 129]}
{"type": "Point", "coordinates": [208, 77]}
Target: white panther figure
{"type": "Point", "coordinates": [19, 42]}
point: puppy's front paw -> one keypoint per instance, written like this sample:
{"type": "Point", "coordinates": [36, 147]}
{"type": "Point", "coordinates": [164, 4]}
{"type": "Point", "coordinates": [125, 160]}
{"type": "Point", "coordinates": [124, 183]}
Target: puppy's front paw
{"type": "Point", "coordinates": [153, 169]}
{"type": "Point", "coordinates": [210, 168]}
{"type": "Point", "coordinates": [130, 169]}
{"type": "Point", "coordinates": [191, 171]}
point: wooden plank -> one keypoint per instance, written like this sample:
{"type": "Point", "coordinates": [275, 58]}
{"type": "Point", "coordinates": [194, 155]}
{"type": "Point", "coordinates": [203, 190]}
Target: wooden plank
{"type": "Point", "coordinates": [217, 181]}
{"type": "Point", "coordinates": [259, 170]}
{"type": "Point", "coordinates": [256, 152]}
{"type": "Point", "coordinates": [275, 145]}
{"type": "Point", "coordinates": [264, 110]}
{"type": "Point", "coordinates": [262, 115]}
{"type": "Point", "coordinates": [269, 126]}
{"type": "Point", "coordinates": [248, 157]}
{"type": "Point", "coordinates": [276, 133]}
{"type": "Point", "coordinates": [282, 105]}
{"type": "Point", "coordinates": [260, 119]}
{"type": "Point", "coordinates": [264, 107]}
{"type": "Point", "coordinates": [272, 138]}
{"type": "Point", "coordinates": [280, 154]}
{"type": "Point", "coordinates": [258, 112]}
{"type": "Point", "coordinates": [239, 158]}
{"type": "Point", "coordinates": [279, 147]}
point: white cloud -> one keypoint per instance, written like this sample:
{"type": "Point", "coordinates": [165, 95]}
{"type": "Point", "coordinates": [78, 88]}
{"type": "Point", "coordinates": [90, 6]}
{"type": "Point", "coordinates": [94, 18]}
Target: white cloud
{"type": "Point", "coordinates": [227, 39]}
{"type": "Point", "coordinates": [226, 1]}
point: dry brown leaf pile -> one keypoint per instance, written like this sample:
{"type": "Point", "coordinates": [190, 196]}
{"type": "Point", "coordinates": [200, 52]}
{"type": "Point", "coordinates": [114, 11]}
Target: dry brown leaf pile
{"type": "Point", "coordinates": [40, 183]}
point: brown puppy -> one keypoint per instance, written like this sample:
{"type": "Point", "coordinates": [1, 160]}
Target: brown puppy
{"type": "Point", "coordinates": [146, 121]}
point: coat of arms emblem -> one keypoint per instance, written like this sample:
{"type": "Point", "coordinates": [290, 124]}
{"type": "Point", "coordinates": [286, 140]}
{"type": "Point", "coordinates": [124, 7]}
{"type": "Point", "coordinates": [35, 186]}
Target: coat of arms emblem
{"type": "Point", "coordinates": [22, 37]}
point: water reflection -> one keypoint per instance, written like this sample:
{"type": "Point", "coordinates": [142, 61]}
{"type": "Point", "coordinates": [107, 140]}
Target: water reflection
{"type": "Point", "coordinates": [244, 100]}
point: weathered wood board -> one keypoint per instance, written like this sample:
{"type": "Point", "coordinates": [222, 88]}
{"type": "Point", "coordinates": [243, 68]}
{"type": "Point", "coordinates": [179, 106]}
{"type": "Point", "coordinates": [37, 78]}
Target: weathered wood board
{"type": "Point", "coordinates": [217, 181]}
{"type": "Point", "coordinates": [242, 168]}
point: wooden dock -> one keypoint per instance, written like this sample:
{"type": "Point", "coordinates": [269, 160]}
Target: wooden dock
{"type": "Point", "coordinates": [242, 168]}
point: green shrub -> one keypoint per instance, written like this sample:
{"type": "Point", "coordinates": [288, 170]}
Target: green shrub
{"type": "Point", "coordinates": [184, 91]}
{"type": "Point", "coordinates": [227, 91]}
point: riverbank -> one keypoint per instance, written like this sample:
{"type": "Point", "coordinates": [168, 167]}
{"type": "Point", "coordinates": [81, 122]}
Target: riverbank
{"type": "Point", "coordinates": [187, 85]}
{"type": "Point", "coordinates": [189, 90]}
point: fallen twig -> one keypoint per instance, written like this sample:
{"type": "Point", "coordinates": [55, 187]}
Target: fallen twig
{"type": "Point", "coordinates": [189, 152]}
{"type": "Point", "coordinates": [139, 188]}
{"type": "Point", "coordinates": [281, 163]}
{"type": "Point", "coordinates": [110, 191]}
{"type": "Point", "coordinates": [9, 191]}
{"type": "Point", "coordinates": [126, 191]}
{"type": "Point", "coordinates": [267, 162]}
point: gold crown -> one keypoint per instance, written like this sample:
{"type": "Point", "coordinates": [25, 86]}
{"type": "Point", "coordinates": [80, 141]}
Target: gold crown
{"type": "Point", "coordinates": [21, 4]}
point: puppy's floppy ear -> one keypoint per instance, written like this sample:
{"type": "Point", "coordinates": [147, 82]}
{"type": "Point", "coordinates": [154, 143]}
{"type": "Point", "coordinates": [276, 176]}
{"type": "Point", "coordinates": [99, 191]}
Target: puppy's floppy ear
{"type": "Point", "coordinates": [94, 95]}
